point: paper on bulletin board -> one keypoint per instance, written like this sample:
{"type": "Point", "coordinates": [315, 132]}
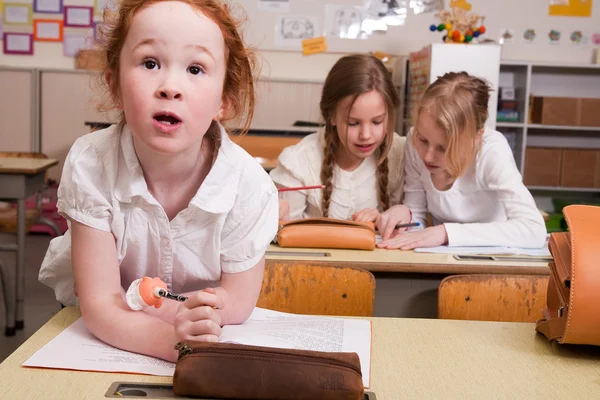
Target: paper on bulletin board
{"type": "Point", "coordinates": [390, 12]}
{"type": "Point", "coordinates": [73, 43]}
{"type": "Point", "coordinates": [570, 8]}
{"type": "Point", "coordinates": [282, 6]}
{"type": "Point", "coordinates": [345, 21]}
{"type": "Point", "coordinates": [314, 46]}
{"type": "Point", "coordinates": [291, 30]}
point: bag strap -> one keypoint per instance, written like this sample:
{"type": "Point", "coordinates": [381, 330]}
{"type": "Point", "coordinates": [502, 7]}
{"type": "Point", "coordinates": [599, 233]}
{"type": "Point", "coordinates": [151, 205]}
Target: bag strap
{"type": "Point", "coordinates": [552, 328]}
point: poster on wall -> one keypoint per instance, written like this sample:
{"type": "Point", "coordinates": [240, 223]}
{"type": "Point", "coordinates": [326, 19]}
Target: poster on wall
{"type": "Point", "coordinates": [48, 6]}
{"type": "Point", "coordinates": [345, 22]}
{"type": "Point", "coordinates": [282, 6]}
{"type": "Point", "coordinates": [291, 30]}
{"type": "Point", "coordinates": [17, 14]}
{"type": "Point", "coordinates": [78, 17]}
{"type": "Point", "coordinates": [46, 30]}
{"type": "Point", "coordinates": [18, 43]}
{"type": "Point", "coordinates": [73, 43]}
{"type": "Point", "coordinates": [570, 8]}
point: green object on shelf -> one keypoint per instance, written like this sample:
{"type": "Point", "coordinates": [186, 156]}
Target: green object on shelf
{"type": "Point", "coordinates": [559, 204]}
{"type": "Point", "coordinates": [556, 223]}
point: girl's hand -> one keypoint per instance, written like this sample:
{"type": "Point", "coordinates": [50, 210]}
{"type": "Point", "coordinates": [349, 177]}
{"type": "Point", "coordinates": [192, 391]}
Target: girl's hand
{"type": "Point", "coordinates": [428, 237]}
{"type": "Point", "coordinates": [366, 215]}
{"type": "Point", "coordinates": [196, 318]}
{"type": "Point", "coordinates": [387, 221]}
{"type": "Point", "coordinates": [284, 210]}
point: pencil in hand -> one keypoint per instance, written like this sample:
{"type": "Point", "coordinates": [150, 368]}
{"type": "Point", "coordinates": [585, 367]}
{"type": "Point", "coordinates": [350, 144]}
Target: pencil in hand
{"type": "Point", "coordinates": [289, 189]}
{"type": "Point", "coordinates": [412, 224]}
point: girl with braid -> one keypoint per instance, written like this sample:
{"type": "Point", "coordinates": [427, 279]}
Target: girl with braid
{"type": "Point", "coordinates": [354, 153]}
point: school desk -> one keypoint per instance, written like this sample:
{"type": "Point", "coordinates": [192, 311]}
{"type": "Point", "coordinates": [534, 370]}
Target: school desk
{"type": "Point", "coordinates": [410, 359]}
{"type": "Point", "coordinates": [19, 179]}
{"type": "Point", "coordinates": [406, 281]}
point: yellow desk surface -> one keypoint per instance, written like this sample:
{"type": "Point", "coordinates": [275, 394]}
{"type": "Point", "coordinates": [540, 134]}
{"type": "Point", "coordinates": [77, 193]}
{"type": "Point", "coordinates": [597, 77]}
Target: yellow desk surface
{"type": "Point", "coordinates": [411, 359]}
{"type": "Point", "coordinates": [380, 260]}
{"type": "Point", "coordinates": [27, 166]}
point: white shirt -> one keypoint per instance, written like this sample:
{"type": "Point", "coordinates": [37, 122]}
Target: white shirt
{"type": "Point", "coordinates": [226, 227]}
{"type": "Point", "coordinates": [300, 165]}
{"type": "Point", "coordinates": [488, 206]}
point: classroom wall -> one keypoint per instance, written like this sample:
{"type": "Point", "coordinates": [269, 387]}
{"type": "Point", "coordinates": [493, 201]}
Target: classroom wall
{"type": "Point", "coordinates": [278, 63]}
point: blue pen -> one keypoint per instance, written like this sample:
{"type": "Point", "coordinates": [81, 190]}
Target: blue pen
{"type": "Point", "coordinates": [399, 226]}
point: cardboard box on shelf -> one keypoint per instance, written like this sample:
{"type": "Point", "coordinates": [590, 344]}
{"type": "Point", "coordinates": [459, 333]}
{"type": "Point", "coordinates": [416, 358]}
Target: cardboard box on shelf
{"type": "Point", "coordinates": [580, 168]}
{"type": "Point", "coordinates": [590, 112]}
{"type": "Point", "coordinates": [542, 166]}
{"type": "Point", "coordinates": [555, 110]}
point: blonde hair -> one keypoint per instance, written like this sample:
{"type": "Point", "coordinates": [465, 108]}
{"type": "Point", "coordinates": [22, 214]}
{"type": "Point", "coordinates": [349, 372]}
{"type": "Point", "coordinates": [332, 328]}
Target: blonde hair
{"type": "Point", "coordinates": [238, 86]}
{"type": "Point", "coordinates": [458, 103]}
{"type": "Point", "coordinates": [352, 76]}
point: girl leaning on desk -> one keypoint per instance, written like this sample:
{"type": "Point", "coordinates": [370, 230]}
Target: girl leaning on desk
{"type": "Point", "coordinates": [463, 174]}
{"type": "Point", "coordinates": [357, 157]}
{"type": "Point", "coordinates": [165, 193]}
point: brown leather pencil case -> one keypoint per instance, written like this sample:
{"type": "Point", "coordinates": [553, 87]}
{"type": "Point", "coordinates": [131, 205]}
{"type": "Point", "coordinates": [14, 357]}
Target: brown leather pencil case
{"type": "Point", "coordinates": [326, 233]}
{"type": "Point", "coordinates": [236, 371]}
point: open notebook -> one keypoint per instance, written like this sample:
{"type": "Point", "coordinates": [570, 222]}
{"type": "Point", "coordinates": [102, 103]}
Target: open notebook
{"type": "Point", "coordinates": [77, 349]}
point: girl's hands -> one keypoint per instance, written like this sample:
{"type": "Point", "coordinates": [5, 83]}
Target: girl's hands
{"type": "Point", "coordinates": [428, 237]}
{"type": "Point", "coordinates": [197, 319]}
{"type": "Point", "coordinates": [366, 215]}
{"type": "Point", "coordinates": [386, 222]}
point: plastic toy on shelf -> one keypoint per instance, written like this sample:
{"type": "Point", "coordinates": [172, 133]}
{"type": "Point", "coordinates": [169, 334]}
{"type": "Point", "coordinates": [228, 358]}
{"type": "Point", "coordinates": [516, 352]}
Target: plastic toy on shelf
{"type": "Point", "coordinates": [459, 24]}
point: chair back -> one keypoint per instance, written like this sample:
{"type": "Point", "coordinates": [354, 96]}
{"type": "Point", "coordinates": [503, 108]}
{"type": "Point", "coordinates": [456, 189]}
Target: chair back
{"type": "Point", "coordinates": [318, 290]}
{"type": "Point", "coordinates": [509, 298]}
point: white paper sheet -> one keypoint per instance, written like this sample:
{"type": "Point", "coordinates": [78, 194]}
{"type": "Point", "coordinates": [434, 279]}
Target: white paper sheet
{"type": "Point", "coordinates": [77, 349]}
{"type": "Point", "coordinates": [18, 43]}
{"type": "Point", "coordinates": [48, 30]}
{"type": "Point", "coordinates": [291, 30]}
{"type": "Point", "coordinates": [16, 14]}
{"type": "Point", "coordinates": [73, 43]}
{"type": "Point", "coordinates": [282, 6]}
{"type": "Point", "coordinates": [541, 252]}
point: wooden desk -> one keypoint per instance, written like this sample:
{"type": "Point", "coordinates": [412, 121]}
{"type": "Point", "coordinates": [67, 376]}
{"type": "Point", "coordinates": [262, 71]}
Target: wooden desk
{"type": "Point", "coordinates": [406, 282]}
{"type": "Point", "coordinates": [411, 359]}
{"type": "Point", "coordinates": [19, 179]}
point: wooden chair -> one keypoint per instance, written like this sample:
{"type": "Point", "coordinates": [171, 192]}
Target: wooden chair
{"type": "Point", "coordinates": [318, 290]}
{"type": "Point", "coordinates": [510, 298]}
{"type": "Point", "coordinates": [8, 215]}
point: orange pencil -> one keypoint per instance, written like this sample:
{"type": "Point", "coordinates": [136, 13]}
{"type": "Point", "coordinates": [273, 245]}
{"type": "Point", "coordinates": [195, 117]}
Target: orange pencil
{"type": "Point", "coordinates": [300, 188]}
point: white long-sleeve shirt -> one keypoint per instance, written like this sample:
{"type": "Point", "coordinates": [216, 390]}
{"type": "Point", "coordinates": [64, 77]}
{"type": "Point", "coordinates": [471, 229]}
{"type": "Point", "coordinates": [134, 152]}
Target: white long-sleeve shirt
{"type": "Point", "coordinates": [300, 165]}
{"type": "Point", "coordinates": [488, 206]}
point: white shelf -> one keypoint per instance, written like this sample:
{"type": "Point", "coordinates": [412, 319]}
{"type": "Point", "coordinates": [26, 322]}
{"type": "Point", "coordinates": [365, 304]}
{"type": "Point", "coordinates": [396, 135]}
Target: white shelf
{"type": "Point", "coordinates": [564, 128]}
{"type": "Point", "coordinates": [563, 189]}
{"type": "Point", "coordinates": [510, 124]}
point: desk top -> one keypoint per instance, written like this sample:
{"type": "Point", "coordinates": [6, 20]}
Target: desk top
{"type": "Point", "coordinates": [380, 260]}
{"type": "Point", "coordinates": [24, 165]}
{"type": "Point", "coordinates": [411, 359]}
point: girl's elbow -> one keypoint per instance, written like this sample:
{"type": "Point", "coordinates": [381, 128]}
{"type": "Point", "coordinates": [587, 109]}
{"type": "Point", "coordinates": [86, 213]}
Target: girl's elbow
{"type": "Point", "coordinates": [537, 236]}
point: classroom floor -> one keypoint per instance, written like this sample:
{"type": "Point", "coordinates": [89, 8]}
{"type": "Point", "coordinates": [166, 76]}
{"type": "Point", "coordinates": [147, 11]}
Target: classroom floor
{"type": "Point", "coordinates": [40, 303]}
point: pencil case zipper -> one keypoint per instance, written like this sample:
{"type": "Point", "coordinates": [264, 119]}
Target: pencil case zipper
{"type": "Point", "coordinates": [186, 350]}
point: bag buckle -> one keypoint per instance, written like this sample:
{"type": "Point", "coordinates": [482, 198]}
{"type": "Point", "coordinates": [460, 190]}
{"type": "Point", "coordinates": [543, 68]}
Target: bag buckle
{"type": "Point", "coordinates": [561, 311]}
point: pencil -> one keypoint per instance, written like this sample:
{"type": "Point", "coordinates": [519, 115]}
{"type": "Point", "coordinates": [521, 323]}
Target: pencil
{"type": "Point", "coordinates": [399, 226]}
{"type": "Point", "coordinates": [286, 189]}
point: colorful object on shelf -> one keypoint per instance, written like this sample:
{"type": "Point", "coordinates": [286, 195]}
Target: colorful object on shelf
{"type": "Point", "coordinates": [529, 35]}
{"type": "Point", "coordinates": [460, 25]}
{"type": "Point", "coordinates": [596, 38]}
{"type": "Point", "coordinates": [576, 37]}
{"type": "Point", "coordinates": [554, 36]}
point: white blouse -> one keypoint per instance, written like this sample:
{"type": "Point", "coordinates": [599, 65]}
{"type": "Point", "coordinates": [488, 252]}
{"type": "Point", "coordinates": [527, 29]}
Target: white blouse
{"type": "Point", "coordinates": [300, 165]}
{"type": "Point", "coordinates": [488, 206]}
{"type": "Point", "coordinates": [227, 225]}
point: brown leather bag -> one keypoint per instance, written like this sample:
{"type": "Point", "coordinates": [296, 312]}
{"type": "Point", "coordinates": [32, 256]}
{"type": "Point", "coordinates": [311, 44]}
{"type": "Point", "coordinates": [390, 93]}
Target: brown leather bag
{"type": "Point", "coordinates": [235, 371]}
{"type": "Point", "coordinates": [573, 299]}
{"type": "Point", "coordinates": [326, 233]}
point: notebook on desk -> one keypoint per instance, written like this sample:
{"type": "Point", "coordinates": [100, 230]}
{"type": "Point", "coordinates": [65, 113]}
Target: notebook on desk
{"type": "Point", "coordinates": [501, 251]}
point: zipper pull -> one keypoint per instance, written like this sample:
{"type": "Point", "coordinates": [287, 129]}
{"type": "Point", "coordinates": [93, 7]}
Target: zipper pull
{"type": "Point", "coordinates": [183, 349]}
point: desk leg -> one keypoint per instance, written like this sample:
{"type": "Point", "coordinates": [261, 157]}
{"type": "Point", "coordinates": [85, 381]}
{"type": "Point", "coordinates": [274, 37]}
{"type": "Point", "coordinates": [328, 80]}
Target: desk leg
{"type": "Point", "coordinates": [20, 263]}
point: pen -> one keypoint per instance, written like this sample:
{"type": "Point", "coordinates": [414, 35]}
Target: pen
{"type": "Point", "coordinates": [399, 226]}
{"type": "Point", "coordinates": [300, 188]}
{"type": "Point", "coordinates": [160, 292]}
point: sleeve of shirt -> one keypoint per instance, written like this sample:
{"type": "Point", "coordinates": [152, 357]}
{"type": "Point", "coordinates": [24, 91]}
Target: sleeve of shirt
{"type": "Point", "coordinates": [83, 195]}
{"type": "Point", "coordinates": [250, 226]}
{"type": "Point", "coordinates": [287, 174]}
{"type": "Point", "coordinates": [397, 170]}
{"type": "Point", "coordinates": [415, 197]}
{"type": "Point", "coordinates": [524, 226]}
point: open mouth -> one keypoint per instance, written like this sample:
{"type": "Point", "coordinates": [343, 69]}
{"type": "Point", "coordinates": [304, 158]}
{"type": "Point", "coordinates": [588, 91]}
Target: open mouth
{"type": "Point", "coordinates": [167, 119]}
{"type": "Point", "coordinates": [365, 147]}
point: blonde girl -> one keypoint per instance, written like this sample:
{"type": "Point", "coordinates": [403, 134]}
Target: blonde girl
{"type": "Point", "coordinates": [463, 174]}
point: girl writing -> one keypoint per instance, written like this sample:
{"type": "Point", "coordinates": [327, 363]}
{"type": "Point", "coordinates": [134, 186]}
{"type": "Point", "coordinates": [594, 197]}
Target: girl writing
{"type": "Point", "coordinates": [463, 174]}
{"type": "Point", "coordinates": [353, 154]}
{"type": "Point", "coordinates": [165, 193]}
